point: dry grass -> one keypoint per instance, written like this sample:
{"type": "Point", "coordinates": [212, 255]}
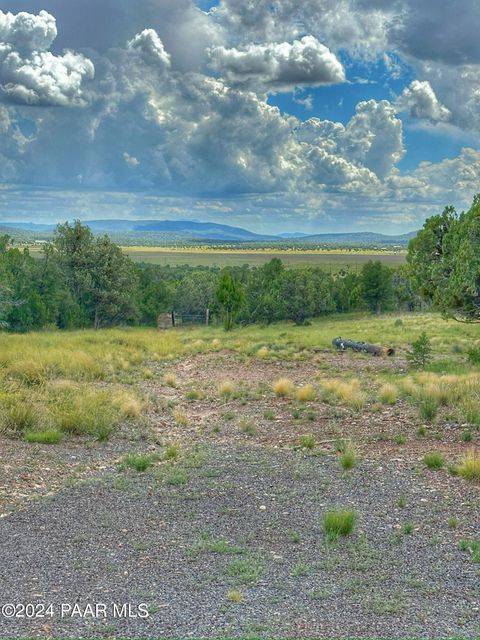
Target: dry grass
{"type": "Point", "coordinates": [388, 394]}
{"type": "Point", "coordinates": [170, 380]}
{"type": "Point", "coordinates": [180, 418]}
{"type": "Point", "coordinates": [348, 393]}
{"type": "Point", "coordinates": [283, 387]}
{"type": "Point", "coordinates": [306, 393]}
{"type": "Point", "coordinates": [226, 389]}
{"type": "Point", "coordinates": [469, 467]}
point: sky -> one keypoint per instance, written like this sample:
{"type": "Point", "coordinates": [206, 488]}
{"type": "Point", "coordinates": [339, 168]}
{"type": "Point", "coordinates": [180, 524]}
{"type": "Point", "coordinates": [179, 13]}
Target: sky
{"type": "Point", "coordinates": [274, 115]}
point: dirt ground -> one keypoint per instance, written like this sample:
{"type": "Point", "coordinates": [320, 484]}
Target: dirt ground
{"type": "Point", "coordinates": [226, 537]}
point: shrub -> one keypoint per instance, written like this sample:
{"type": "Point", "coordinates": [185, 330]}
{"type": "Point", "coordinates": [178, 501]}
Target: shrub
{"type": "Point", "coordinates": [171, 452]}
{"type": "Point", "coordinates": [283, 387]}
{"type": "Point", "coordinates": [51, 436]}
{"type": "Point", "coordinates": [129, 406]}
{"type": "Point", "coordinates": [339, 522]}
{"type": "Point", "coordinates": [421, 354]}
{"type": "Point", "coordinates": [434, 460]}
{"type": "Point", "coordinates": [388, 394]}
{"type": "Point", "coordinates": [235, 596]}
{"type": "Point", "coordinates": [306, 393]}
{"type": "Point", "coordinates": [473, 354]}
{"type": "Point", "coordinates": [469, 466]}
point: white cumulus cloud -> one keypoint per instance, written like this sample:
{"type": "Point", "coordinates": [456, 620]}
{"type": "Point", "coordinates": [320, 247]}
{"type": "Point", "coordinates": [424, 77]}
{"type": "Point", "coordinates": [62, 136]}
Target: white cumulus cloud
{"type": "Point", "coordinates": [29, 73]}
{"type": "Point", "coordinates": [279, 66]}
{"type": "Point", "coordinates": [420, 101]}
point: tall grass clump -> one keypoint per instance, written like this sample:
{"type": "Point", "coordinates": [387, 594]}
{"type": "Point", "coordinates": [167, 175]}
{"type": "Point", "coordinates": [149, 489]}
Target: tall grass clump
{"type": "Point", "coordinates": [283, 387]}
{"type": "Point", "coordinates": [388, 394]}
{"type": "Point", "coordinates": [86, 413]}
{"type": "Point", "coordinates": [348, 459]}
{"type": "Point", "coordinates": [434, 460]}
{"type": "Point", "coordinates": [50, 436]}
{"type": "Point", "coordinates": [306, 393]}
{"type": "Point", "coordinates": [338, 522]}
{"type": "Point", "coordinates": [469, 466]}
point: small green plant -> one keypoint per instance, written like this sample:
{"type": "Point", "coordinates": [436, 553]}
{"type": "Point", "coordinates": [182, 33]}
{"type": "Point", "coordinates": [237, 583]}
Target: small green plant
{"type": "Point", "coordinates": [338, 522]}
{"type": "Point", "coordinates": [229, 415]}
{"type": "Point", "coordinates": [434, 460]}
{"type": "Point", "coordinates": [300, 570]}
{"type": "Point", "coordinates": [171, 452]}
{"type": "Point", "coordinates": [400, 438]}
{"type": "Point", "coordinates": [421, 431]}
{"type": "Point", "coordinates": [428, 408]}
{"type": "Point", "coordinates": [348, 459]}
{"type": "Point", "coordinates": [136, 461]}
{"type": "Point", "coordinates": [175, 476]}
{"type": "Point", "coordinates": [407, 528]}
{"type": "Point", "coordinates": [453, 523]}
{"type": "Point", "coordinates": [467, 436]}
{"type": "Point", "coordinates": [244, 571]}
{"type": "Point", "coordinates": [248, 427]}
{"type": "Point", "coordinates": [307, 441]}
{"type": "Point", "coordinates": [268, 414]}
{"type": "Point", "coordinates": [472, 547]}
{"type": "Point", "coordinates": [421, 354]}
{"type": "Point", "coordinates": [295, 537]}
{"type": "Point", "coordinates": [402, 502]}
{"type": "Point", "coordinates": [51, 436]}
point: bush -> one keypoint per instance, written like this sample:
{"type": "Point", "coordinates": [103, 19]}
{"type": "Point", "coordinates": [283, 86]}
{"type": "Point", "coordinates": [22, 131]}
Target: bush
{"type": "Point", "coordinates": [473, 354]}
{"type": "Point", "coordinates": [421, 354]}
{"type": "Point", "coordinates": [339, 522]}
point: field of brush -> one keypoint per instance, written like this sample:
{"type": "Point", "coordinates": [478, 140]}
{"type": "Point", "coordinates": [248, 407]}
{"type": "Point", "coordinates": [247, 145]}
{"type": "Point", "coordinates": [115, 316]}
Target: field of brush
{"type": "Point", "coordinates": [255, 483]}
{"type": "Point", "coordinates": [329, 259]}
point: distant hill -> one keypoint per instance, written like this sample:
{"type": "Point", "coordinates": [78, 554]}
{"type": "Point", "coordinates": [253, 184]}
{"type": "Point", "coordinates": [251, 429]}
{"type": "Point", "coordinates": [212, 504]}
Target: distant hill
{"type": "Point", "coordinates": [168, 232]}
{"type": "Point", "coordinates": [357, 239]}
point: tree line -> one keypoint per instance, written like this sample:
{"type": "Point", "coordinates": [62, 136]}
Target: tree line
{"type": "Point", "coordinates": [85, 281]}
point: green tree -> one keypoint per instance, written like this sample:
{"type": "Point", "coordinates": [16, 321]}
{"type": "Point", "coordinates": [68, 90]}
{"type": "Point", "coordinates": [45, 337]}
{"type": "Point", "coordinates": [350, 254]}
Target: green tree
{"type": "Point", "coordinates": [444, 262]}
{"type": "Point", "coordinates": [231, 297]}
{"type": "Point", "coordinates": [421, 353]}
{"type": "Point", "coordinates": [377, 290]}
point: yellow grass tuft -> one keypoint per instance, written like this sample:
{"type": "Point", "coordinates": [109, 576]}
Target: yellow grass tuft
{"type": "Point", "coordinates": [129, 406]}
{"type": "Point", "coordinates": [469, 467]}
{"type": "Point", "coordinates": [216, 344]}
{"type": "Point", "coordinates": [388, 394]}
{"type": "Point", "coordinates": [283, 387]}
{"type": "Point", "coordinates": [226, 389]}
{"type": "Point", "coordinates": [180, 418]}
{"type": "Point", "coordinates": [263, 352]}
{"type": "Point", "coordinates": [170, 380]}
{"type": "Point", "coordinates": [306, 393]}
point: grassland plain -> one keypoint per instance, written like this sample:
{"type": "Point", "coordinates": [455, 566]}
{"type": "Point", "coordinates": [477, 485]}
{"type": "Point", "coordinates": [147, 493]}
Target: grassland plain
{"type": "Point", "coordinates": [331, 260]}
{"type": "Point", "coordinates": [199, 472]}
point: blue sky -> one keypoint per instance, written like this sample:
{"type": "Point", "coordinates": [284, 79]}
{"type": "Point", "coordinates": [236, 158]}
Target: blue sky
{"type": "Point", "coordinates": [318, 116]}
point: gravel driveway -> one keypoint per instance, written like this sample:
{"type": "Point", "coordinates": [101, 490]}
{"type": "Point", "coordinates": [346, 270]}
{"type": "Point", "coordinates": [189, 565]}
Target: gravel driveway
{"type": "Point", "coordinates": [229, 542]}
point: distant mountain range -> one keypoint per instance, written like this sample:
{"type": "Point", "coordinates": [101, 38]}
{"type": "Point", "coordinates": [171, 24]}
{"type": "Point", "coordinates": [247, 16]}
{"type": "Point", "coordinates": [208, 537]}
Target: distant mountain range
{"type": "Point", "coordinates": [140, 231]}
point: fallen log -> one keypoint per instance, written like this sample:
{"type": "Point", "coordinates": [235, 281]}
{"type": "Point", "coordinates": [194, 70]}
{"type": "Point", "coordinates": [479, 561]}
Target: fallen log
{"type": "Point", "coordinates": [342, 344]}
